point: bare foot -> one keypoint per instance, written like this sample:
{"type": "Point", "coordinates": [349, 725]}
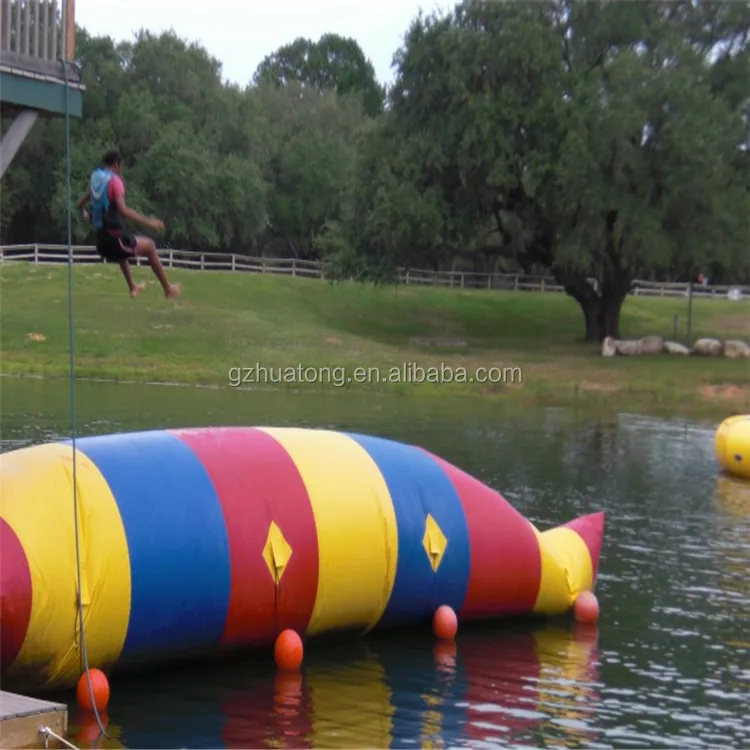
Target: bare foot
{"type": "Point", "coordinates": [137, 289]}
{"type": "Point", "coordinates": [175, 290]}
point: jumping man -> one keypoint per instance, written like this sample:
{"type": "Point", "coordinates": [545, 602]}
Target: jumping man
{"type": "Point", "coordinates": [106, 195]}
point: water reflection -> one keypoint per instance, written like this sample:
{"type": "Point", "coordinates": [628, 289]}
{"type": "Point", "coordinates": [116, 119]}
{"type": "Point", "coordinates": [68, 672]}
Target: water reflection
{"type": "Point", "coordinates": [503, 687]}
{"type": "Point", "coordinates": [732, 497]}
{"type": "Point", "coordinates": [732, 500]}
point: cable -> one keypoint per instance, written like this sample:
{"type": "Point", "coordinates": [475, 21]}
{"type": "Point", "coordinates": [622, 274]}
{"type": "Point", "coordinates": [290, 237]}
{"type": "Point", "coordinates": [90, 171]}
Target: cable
{"type": "Point", "coordinates": [73, 396]}
{"type": "Point", "coordinates": [47, 732]}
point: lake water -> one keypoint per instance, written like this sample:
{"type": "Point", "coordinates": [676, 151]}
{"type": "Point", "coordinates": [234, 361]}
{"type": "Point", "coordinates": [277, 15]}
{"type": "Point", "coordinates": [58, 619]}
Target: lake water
{"type": "Point", "coordinates": [667, 666]}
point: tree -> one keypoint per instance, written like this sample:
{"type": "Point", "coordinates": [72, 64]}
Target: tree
{"type": "Point", "coordinates": [589, 134]}
{"type": "Point", "coordinates": [312, 151]}
{"type": "Point", "coordinates": [333, 62]}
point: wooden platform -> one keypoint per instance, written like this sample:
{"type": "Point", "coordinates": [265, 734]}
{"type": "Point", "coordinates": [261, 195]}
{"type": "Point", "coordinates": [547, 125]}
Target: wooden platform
{"type": "Point", "coordinates": [21, 717]}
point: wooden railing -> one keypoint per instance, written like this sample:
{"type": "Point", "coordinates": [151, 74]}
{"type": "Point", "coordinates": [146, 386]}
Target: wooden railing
{"type": "Point", "coordinates": [36, 34]}
{"type": "Point", "coordinates": [56, 254]}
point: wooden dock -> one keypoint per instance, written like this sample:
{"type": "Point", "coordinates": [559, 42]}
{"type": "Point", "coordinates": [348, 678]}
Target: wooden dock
{"type": "Point", "coordinates": [21, 717]}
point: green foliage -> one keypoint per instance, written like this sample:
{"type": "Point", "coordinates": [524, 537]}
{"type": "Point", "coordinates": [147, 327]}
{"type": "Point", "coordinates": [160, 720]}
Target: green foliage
{"type": "Point", "coordinates": [333, 62]}
{"type": "Point", "coordinates": [311, 160]}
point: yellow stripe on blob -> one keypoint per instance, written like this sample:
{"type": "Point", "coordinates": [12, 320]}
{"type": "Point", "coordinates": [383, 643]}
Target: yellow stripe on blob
{"type": "Point", "coordinates": [566, 570]}
{"type": "Point", "coordinates": [45, 526]}
{"type": "Point", "coordinates": [356, 527]}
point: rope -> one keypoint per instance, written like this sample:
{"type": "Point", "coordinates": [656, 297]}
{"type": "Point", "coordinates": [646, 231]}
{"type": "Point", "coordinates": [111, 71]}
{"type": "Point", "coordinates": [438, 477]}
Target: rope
{"type": "Point", "coordinates": [73, 396]}
{"type": "Point", "coordinates": [47, 732]}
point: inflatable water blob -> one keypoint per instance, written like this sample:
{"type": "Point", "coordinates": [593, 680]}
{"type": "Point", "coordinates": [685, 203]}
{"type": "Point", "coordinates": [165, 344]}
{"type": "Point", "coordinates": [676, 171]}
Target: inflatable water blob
{"type": "Point", "coordinates": [196, 541]}
{"type": "Point", "coordinates": [732, 445]}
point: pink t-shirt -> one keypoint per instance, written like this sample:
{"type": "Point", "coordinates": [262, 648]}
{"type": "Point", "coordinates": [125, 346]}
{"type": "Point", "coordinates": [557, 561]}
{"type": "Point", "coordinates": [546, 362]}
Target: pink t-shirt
{"type": "Point", "coordinates": [116, 188]}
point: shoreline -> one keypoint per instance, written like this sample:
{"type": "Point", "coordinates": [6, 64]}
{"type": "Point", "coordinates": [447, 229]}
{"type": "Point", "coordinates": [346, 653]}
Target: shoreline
{"type": "Point", "coordinates": [708, 409]}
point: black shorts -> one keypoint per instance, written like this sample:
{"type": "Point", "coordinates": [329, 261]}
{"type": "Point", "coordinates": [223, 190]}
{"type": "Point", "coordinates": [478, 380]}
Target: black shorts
{"type": "Point", "coordinates": [115, 248]}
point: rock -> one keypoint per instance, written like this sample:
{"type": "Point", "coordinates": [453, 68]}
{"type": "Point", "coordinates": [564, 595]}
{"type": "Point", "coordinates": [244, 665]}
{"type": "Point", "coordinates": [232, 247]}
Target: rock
{"type": "Point", "coordinates": [707, 348]}
{"type": "Point", "coordinates": [651, 345]}
{"type": "Point", "coordinates": [628, 348]}
{"type": "Point", "coordinates": [736, 349]}
{"type": "Point", "coordinates": [609, 347]}
{"type": "Point", "coordinates": [674, 347]}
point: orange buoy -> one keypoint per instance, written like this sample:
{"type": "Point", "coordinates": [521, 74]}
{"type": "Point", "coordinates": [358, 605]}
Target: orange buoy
{"type": "Point", "coordinates": [586, 608]}
{"type": "Point", "coordinates": [288, 650]}
{"type": "Point", "coordinates": [99, 688]}
{"type": "Point", "coordinates": [445, 623]}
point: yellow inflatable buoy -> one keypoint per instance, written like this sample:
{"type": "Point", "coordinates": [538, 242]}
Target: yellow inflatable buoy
{"type": "Point", "coordinates": [732, 445]}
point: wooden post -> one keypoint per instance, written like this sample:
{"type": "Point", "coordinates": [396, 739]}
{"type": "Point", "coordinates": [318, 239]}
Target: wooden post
{"type": "Point", "coordinates": [70, 30]}
{"type": "Point", "coordinates": [17, 48]}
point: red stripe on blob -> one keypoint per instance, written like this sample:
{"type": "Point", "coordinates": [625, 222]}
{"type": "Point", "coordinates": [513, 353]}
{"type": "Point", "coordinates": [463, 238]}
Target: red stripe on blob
{"type": "Point", "coordinates": [15, 594]}
{"type": "Point", "coordinates": [591, 529]}
{"type": "Point", "coordinates": [258, 483]}
{"type": "Point", "coordinates": [506, 566]}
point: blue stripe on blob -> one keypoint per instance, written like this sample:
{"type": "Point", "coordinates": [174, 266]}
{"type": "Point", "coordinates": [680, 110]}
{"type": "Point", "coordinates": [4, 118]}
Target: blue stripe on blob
{"type": "Point", "coordinates": [419, 486]}
{"type": "Point", "coordinates": [177, 540]}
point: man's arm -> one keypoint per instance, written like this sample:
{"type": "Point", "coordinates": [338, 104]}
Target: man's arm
{"type": "Point", "coordinates": [129, 213]}
{"type": "Point", "coordinates": [82, 203]}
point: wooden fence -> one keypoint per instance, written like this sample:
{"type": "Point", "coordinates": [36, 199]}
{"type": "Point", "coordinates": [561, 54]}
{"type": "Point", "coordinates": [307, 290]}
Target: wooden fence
{"type": "Point", "coordinates": [55, 254]}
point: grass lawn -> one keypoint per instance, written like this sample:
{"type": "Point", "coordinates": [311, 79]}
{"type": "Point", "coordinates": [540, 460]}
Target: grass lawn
{"type": "Point", "coordinates": [229, 320]}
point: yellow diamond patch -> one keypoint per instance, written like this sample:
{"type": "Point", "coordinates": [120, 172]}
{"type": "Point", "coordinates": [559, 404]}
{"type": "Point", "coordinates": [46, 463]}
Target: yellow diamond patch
{"type": "Point", "coordinates": [434, 542]}
{"type": "Point", "coordinates": [276, 552]}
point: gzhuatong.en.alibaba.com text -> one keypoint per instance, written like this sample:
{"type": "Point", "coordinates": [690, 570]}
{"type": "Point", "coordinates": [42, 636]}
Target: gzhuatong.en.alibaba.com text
{"type": "Point", "coordinates": [339, 376]}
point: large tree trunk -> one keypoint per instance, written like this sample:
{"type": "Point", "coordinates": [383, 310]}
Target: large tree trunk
{"type": "Point", "coordinates": [602, 316]}
{"type": "Point", "coordinates": [601, 308]}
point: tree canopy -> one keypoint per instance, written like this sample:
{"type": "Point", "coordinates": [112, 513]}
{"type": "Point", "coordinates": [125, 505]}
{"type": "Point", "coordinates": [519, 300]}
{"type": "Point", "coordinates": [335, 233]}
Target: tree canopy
{"type": "Point", "coordinates": [597, 142]}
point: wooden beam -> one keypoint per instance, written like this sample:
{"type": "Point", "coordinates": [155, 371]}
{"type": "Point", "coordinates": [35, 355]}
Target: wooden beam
{"type": "Point", "coordinates": [70, 31]}
{"type": "Point", "coordinates": [15, 136]}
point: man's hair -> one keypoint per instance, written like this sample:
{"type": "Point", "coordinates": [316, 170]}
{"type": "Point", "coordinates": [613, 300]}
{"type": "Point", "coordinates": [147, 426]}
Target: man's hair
{"type": "Point", "coordinates": [112, 158]}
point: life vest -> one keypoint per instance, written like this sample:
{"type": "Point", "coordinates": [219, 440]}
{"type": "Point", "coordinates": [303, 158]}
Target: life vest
{"type": "Point", "coordinates": [102, 213]}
